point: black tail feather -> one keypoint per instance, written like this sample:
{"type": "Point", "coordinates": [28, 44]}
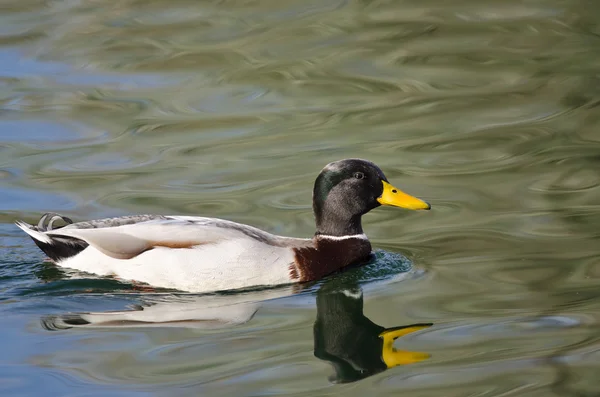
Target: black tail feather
{"type": "Point", "coordinates": [59, 247]}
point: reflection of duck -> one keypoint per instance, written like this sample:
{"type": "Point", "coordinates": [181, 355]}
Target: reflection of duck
{"type": "Point", "coordinates": [343, 335]}
{"type": "Point", "coordinates": [207, 254]}
{"type": "Point", "coordinates": [356, 346]}
{"type": "Point", "coordinates": [182, 311]}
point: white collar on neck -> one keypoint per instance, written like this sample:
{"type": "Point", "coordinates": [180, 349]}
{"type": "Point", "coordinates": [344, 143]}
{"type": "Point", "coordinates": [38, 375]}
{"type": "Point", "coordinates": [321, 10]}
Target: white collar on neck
{"type": "Point", "coordinates": [327, 237]}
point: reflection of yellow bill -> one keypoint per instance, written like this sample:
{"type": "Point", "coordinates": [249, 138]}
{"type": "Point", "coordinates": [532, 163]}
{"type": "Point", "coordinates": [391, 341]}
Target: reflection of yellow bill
{"type": "Point", "coordinates": [392, 357]}
{"type": "Point", "coordinates": [397, 198]}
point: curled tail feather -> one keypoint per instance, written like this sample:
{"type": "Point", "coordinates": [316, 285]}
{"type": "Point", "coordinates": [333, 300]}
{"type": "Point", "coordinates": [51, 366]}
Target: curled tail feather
{"type": "Point", "coordinates": [47, 220]}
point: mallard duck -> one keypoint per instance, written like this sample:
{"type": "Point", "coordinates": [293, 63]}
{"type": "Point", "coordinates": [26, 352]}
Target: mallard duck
{"type": "Point", "coordinates": [197, 254]}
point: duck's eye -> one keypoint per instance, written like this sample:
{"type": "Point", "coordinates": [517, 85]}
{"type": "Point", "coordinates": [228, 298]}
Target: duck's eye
{"type": "Point", "coordinates": [359, 175]}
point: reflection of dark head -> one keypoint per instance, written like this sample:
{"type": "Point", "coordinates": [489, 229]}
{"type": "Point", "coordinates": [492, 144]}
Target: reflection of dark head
{"type": "Point", "coordinates": [353, 344]}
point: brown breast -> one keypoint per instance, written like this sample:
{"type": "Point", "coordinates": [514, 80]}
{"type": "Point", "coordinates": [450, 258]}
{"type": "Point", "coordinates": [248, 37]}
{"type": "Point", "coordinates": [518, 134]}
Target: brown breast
{"type": "Point", "coordinates": [326, 256]}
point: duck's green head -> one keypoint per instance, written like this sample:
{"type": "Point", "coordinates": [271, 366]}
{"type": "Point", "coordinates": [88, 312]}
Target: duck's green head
{"type": "Point", "coordinates": [347, 189]}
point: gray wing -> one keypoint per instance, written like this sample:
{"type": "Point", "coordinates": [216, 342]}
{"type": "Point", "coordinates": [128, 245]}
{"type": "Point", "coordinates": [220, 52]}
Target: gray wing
{"type": "Point", "coordinates": [212, 223]}
{"type": "Point", "coordinates": [47, 221]}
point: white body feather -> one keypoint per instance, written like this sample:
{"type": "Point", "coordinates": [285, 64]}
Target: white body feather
{"type": "Point", "coordinates": [204, 268]}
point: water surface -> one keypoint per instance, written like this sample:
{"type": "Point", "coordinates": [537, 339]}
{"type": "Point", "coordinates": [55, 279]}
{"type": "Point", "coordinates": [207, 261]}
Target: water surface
{"type": "Point", "coordinates": [486, 109]}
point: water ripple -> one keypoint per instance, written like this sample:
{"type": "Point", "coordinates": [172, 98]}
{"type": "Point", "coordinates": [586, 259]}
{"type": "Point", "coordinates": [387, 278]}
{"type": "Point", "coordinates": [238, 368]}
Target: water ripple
{"type": "Point", "coordinates": [230, 109]}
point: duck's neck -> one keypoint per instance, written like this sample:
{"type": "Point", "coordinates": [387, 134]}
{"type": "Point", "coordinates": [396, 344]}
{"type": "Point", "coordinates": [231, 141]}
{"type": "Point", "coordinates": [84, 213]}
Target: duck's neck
{"type": "Point", "coordinates": [336, 225]}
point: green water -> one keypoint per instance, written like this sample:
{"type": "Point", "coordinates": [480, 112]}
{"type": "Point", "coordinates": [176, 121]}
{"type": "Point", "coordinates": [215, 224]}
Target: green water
{"type": "Point", "coordinates": [486, 109]}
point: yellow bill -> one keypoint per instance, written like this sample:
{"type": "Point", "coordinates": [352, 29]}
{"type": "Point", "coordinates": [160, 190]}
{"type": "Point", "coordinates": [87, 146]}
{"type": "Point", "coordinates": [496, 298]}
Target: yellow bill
{"type": "Point", "coordinates": [392, 357]}
{"type": "Point", "coordinates": [397, 198]}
